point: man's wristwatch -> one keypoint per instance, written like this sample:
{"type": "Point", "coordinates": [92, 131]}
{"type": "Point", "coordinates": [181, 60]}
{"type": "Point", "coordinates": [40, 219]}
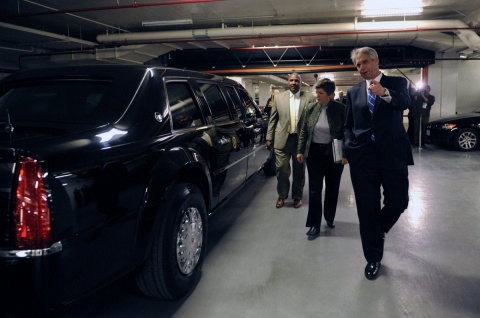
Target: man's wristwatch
{"type": "Point", "coordinates": [385, 92]}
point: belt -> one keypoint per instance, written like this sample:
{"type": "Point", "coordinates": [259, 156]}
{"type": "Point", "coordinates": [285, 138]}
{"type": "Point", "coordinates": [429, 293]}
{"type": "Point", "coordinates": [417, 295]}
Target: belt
{"type": "Point", "coordinates": [319, 145]}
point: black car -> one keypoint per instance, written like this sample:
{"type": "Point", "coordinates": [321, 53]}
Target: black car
{"type": "Point", "coordinates": [110, 170]}
{"type": "Point", "coordinates": [461, 131]}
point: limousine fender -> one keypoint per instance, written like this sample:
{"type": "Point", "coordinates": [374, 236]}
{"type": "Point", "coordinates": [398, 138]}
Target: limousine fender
{"type": "Point", "coordinates": [173, 227]}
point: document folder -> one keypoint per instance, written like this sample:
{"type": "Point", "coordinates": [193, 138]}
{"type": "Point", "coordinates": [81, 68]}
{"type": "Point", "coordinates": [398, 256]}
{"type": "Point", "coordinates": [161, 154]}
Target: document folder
{"type": "Point", "coordinates": [337, 146]}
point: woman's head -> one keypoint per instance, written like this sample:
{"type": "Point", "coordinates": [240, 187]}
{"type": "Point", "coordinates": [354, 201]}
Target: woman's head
{"type": "Point", "coordinates": [325, 90]}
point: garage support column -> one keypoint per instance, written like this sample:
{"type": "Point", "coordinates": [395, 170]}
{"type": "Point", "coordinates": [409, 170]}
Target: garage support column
{"type": "Point", "coordinates": [264, 92]}
{"type": "Point", "coordinates": [248, 84]}
{"type": "Point", "coordinates": [443, 79]}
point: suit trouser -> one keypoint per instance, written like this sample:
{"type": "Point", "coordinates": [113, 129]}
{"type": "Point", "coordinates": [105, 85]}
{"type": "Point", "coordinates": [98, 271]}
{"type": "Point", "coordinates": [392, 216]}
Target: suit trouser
{"type": "Point", "coordinates": [282, 163]}
{"type": "Point", "coordinates": [367, 178]}
{"type": "Point", "coordinates": [321, 166]}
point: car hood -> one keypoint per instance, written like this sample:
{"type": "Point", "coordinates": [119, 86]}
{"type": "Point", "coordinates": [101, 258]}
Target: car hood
{"type": "Point", "coordinates": [455, 118]}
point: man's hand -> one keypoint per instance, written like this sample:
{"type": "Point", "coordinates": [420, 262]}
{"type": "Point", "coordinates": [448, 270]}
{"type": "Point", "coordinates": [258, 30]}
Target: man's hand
{"type": "Point", "coordinates": [269, 144]}
{"type": "Point", "coordinates": [376, 88]}
{"type": "Point", "coordinates": [300, 157]}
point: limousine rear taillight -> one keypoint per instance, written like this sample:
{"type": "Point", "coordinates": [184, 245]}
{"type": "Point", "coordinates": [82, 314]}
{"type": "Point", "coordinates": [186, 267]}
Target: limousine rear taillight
{"type": "Point", "coordinates": [32, 212]}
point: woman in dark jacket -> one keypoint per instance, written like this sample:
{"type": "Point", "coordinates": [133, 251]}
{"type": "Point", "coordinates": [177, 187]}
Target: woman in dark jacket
{"type": "Point", "coordinates": [323, 123]}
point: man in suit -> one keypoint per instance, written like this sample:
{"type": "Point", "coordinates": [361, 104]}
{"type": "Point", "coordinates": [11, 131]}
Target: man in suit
{"type": "Point", "coordinates": [423, 104]}
{"type": "Point", "coordinates": [285, 122]}
{"type": "Point", "coordinates": [379, 152]}
{"type": "Point", "coordinates": [341, 98]}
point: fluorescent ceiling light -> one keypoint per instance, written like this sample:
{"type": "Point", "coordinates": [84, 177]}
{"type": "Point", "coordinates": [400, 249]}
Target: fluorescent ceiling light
{"type": "Point", "coordinates": [166, 22]}
{"type": "Point", "coordinates": [379, 8]}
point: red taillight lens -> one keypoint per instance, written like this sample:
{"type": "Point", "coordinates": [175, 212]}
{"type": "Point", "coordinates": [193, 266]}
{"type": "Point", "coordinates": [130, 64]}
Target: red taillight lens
{"type": "Point", "coordinates": [32, 214]}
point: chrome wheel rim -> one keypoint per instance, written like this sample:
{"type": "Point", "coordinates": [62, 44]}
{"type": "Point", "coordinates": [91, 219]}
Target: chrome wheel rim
{"type": "Point", "coordinates": [189, 240]}
{"type": "Point", "coordinates": [467, 140]}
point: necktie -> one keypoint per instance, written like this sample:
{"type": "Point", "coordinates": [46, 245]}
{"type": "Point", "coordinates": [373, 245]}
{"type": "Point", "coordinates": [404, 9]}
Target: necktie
{"type": "Point", "coordinates": [370, 101]}
{"type": "Point", "coordinates": [371, 106]}
{"type": "Point", "coordinates": [293, 114]}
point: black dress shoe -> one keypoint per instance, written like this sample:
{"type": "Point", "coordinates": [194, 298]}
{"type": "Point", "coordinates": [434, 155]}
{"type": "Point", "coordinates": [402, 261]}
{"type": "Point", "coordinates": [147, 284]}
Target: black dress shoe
{"type": "Point", "coordinates": [313, 233]}
{"type": "Point", "coordinates": [331, 224]}
{"type": "Point", "coordinates": [372, 269]}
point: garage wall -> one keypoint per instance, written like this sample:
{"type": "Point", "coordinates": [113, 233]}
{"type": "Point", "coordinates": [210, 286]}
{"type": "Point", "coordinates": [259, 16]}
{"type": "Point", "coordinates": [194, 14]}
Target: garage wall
{"type": "Point", "coordinates": [468, 92]}
{"type": "Point", "coordinates": [454, 84]}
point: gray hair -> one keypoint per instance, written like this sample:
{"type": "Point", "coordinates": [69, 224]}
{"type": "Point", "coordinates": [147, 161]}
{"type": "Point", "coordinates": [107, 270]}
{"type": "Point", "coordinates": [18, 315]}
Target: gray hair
{"type": "Point", "coordinates": [363, 50]}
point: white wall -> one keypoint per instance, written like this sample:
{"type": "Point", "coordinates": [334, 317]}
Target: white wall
{"type": "Point", "coordinates": [455, 86]}
{"type": "Point", "coordinates": [264, 93]}
{"type": "Point", "coordinates": [468, 91]}
{"type": "Point", "coordinates": [443, 79]}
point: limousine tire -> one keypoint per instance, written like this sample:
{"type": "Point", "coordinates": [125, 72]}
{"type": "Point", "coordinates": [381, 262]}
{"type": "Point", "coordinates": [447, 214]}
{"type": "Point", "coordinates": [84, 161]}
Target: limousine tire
{"type": "Point", "coordinates": [179, 243]}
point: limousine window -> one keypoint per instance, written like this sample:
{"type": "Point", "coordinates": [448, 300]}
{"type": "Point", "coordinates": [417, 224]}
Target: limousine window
{"type": "Point", "coordinates": [216, 102]}
{"type": "Point", "coordinates": [237, 104]}
{"type": "Point", "coordinates": [250, 108]}
{"type": "Point", "coordinates": [76, 102]}
{"type": "Point", "coordinates": [184, 110]}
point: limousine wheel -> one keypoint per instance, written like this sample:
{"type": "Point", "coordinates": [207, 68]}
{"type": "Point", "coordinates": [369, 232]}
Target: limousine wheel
{"type": "Point", "coordinates": [178, 247]}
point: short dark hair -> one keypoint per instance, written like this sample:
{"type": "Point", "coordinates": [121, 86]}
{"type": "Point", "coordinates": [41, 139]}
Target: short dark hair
{"type": "Point", "coordinates": [326, 84]}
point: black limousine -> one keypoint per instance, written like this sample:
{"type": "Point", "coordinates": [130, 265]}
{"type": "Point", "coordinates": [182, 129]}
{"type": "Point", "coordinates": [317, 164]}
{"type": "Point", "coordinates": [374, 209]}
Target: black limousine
{"type": "Point", "coordinates": [109, 170]}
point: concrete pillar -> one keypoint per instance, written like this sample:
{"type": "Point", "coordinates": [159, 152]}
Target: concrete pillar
{"type": "Point", "coordinates": [264, 92]}
{"type": "Point", "coordinates": [443, 79]}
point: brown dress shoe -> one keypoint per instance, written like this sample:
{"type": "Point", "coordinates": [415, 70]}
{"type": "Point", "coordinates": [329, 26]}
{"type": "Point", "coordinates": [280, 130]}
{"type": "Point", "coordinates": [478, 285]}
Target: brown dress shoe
{"type": "Point", "coordinates": [280, 203]}
{"type": "Point", "coordinates": [297, 203]}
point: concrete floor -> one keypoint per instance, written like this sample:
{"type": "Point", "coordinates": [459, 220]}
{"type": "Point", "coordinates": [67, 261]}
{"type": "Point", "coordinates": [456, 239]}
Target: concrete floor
{"type": "Point", "coordinates": [260, 263]}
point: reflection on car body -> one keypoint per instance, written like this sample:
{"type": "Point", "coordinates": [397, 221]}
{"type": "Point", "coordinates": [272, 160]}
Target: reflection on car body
{"type": "Point", "coordinates": [109, 170]}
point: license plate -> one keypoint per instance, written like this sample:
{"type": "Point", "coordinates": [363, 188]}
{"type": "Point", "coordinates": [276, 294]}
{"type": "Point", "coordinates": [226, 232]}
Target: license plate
{"type": "Point", "coordinates": [428, 132]}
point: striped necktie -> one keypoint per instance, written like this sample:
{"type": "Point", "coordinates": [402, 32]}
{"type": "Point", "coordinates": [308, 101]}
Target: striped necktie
{"type": "Point", "coordinates": [370, 101]}
{"type": "Point", "coordinates": [371, 107]}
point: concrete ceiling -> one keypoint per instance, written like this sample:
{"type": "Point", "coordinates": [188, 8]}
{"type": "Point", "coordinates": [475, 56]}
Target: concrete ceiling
{"type": "Point", "coordinates": [236, 37]}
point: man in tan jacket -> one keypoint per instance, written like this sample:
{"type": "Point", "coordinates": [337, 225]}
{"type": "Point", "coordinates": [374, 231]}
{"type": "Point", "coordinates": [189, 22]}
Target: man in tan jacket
{"type": "Point", "coordinates": [285, 122]}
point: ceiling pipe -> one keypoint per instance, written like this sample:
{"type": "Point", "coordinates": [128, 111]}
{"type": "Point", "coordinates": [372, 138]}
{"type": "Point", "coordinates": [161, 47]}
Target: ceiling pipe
{"type": "Point", "coordinates": [46, 34]}
{"type": "Point", "coordinates": [134, 5]}
{"type": "Point", "coordinates": [263, 32]}
{"type": "Point", "coordinates": [470, 38]}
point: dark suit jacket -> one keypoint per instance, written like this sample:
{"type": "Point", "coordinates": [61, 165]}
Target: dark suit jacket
{"type": "Point", "coordinates": [336, 121]}
{"type": "Point", "coordinates": [391, 141]}
{"type": "Point", "coordinates": [418, 105]}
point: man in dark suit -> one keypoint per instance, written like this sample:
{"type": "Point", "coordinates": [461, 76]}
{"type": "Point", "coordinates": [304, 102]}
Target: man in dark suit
{"type": "Point", "coordinates": [341, 98]}
{"type": "Point", "coordinates": [379, 152]}
{"type": "Point", "coordinates": [285, 122]}
{"type": "Point", "coordinates": [423, 104]}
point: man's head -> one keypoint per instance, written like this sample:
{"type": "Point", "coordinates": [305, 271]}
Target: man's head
{"type": "Point", "coordinates": [340, 94]}
{"type": "Point", "coordinates": [365, 60]}
{"type": "Point", "coordinates": [294, 82]}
